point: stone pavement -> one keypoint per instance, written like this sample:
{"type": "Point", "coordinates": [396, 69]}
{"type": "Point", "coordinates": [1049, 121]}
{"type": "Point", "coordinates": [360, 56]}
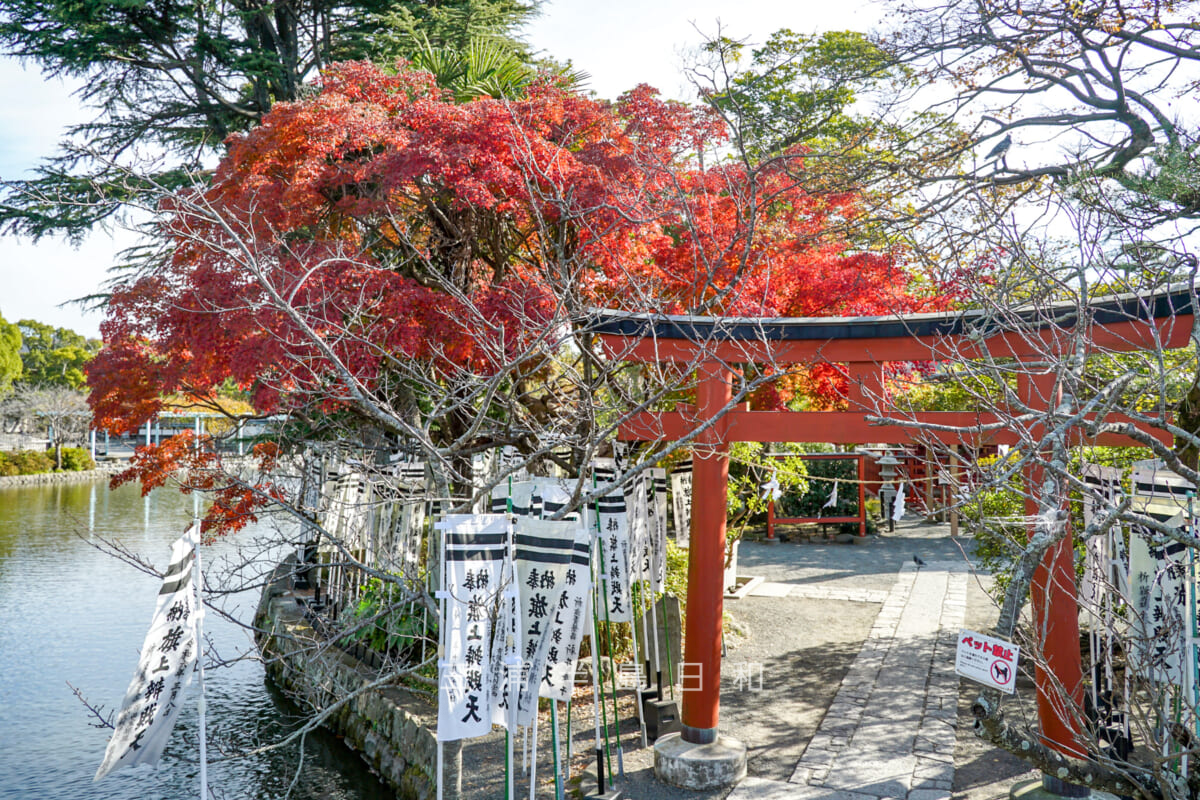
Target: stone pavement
{"type": "Point", "coordinates": [858, 698]}
{"type": "Point", "coordinates": [890, 731]}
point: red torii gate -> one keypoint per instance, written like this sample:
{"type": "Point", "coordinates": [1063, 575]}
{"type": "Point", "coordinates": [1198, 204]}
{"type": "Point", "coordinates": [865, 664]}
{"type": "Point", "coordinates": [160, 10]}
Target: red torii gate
{"type": "Point", "coordinates": [712, 347]}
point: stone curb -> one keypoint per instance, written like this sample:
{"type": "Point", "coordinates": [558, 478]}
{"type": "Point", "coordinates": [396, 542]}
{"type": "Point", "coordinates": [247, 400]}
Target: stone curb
{"type": "Point", "coordinates": [46, 478]}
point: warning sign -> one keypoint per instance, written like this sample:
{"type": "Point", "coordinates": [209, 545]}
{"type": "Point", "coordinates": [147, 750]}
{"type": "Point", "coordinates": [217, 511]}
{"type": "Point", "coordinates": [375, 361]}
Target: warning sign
{"type": "Point", "coordinates": [989, 661]}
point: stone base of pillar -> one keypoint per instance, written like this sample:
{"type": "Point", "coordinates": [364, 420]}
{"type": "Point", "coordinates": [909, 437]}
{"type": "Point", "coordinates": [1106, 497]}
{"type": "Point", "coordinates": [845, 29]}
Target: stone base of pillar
{"type": "Point", "coordinates": [612, 794]}
{"type": "Point", "coordinates": [699, 767]}
{"type": "Point", "coordinates": [1037, 789]}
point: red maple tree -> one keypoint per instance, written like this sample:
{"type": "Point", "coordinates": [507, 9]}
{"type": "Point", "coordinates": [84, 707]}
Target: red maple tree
{"type": "Point", "coordinates": [379, 229]}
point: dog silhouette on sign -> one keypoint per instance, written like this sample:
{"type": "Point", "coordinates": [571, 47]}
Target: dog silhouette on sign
{"type": "Point", "coordinates": [1000, 672]}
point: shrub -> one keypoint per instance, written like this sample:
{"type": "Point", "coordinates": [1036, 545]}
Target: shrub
{"type": "Point", "coordinates": [77, 459]}
{"type": "Point", "coordinates": [387, 625]}
{"type": "Point", "coordinates": [7, 467]}
{"type": "Point", "coordinates": [31, 462]}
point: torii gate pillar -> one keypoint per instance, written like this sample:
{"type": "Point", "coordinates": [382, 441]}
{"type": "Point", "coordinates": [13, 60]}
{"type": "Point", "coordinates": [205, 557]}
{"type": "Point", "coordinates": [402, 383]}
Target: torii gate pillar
{"type": "Point", "coordinates": [706, 560]}
{"type": "Point", "coordinates": [1054, 601]}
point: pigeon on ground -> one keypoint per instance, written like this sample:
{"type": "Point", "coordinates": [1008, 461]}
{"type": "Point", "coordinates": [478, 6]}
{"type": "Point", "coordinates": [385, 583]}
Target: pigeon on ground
{"type": "Point", "coordinates": [917, 560]}
{"type": "Point", "coordinates": [1001, 148]}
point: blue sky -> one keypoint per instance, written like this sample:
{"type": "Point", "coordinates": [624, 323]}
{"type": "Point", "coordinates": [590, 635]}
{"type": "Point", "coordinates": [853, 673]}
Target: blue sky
{"type": "Point", "coordinates": [619, 42]}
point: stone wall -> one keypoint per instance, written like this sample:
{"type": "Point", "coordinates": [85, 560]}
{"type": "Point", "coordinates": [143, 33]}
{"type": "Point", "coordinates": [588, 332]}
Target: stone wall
{"type": "Point", "coordinates": [81, 476]}
{"type": "Point", "coordinates": [390, 728]}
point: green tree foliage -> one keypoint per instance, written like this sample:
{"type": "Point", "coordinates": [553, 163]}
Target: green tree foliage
{"type": "Point", "coordinates": [409, 28]}
{"type": "Point", "coordinates": [10, 354]}
{"type": "Point", "coordinates": [835, 108]}
{"type": "Point", "coordinates": [54, 356]}
{"type": "Point", "coordinates": [173, 78]}
{"type": "Point", "coordinates": [751, 468]}
{"type": "Point", "coordinates": [798, 89]}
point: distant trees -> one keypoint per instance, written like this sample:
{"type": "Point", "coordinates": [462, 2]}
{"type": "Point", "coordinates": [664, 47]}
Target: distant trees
{"type": "Point", "coordinates": [41, 381]}
{"type": "Point", "coordinates": [10, 355]}
{"type": "Point", "coordinates": [60, 411]}
{"type": "Point", "coordinates": [54, 356]}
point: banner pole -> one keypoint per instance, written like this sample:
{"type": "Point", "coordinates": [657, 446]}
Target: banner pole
{"type": "Point", "coordinates": [558, 787]}
{"type": "Point", "coordinates": [199, 588]}
{"type": "Point", "coordinates": [533, 726]}
{"type": "Point", "coordinates": [637, 699]}
{"type": "Point", "coordinates": [512, 666]}
{"type": "Point", "coordinates": [597, 697]}
{"type": "Point", "coordinates": [612, 677]}
{"type": "Point", "coordinates": [200, 706]}
{"type": "Point", "coordinates": [667, 639]}
{"type": "Point", "coordinates": [1188, 660]}
{"type": "Point", "coordinates": [651, 541]}
{"type": "Point", "coordinates": [508, 749]}
{"type": "Point", "coordinates": [441, 651]}
{"type": "Point", "coordinates": [645, 592]}
{"type": "Point", "coordinates": [603, 587]}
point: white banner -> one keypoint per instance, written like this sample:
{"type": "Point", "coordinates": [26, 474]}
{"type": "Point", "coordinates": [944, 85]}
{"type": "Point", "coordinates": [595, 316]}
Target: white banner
{"type": "Point", "coordinates": [657, 506]}
{"type": "Point", "coordinates": [544, 553]}
{"type": "Point", "coordinates": [898, 504]}
{"type": "Point", "coordinates": [570, 623]}
{"type": "Point", "coordinates": [613, 520]}
{"type": "Point", "coordinates": [681, 502]}
{"type": "Point", "coordinates": [647, 508]}
{"type": "Point", "coordinates": [1100, 580]}
{"type": "Point", "coordinates": [152, 701]}
{"type": "Point", "coordinates": [512, 464]}
{"type": "Point", "coordinates": [475, 550]}
{"type": "Point", "coordinates": [1157, 578]}
{"type": "Point", "coordinates": [347, 515]}
{"type": "Point", "coordinates": [400, 501]}
{"type": "Point", "coordinates": [505, 661]}
{"type": "Point", "coordinates": [555, 497]}
{"type": "Point", "coordinates": [637, 506]}
{"type": "Point", "coordinates": [521, 493]}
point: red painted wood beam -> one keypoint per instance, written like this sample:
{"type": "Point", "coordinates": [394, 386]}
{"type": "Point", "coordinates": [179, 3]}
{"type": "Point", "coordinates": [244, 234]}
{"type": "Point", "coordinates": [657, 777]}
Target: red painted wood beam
{"type": "Point", "coordinates": [1166, 333]}
{"type": "Point", "coordinates": [842, 427]}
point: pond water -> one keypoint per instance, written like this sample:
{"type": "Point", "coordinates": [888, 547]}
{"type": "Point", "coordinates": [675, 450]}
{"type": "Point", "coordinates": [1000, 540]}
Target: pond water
{"type": "Point", "coordinates": [73, 616]}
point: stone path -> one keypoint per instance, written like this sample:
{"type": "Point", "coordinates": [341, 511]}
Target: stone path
{"type": "Point", "coordinates": [819, 592]}
{"type": "Point", "coordinates": [890, 730]}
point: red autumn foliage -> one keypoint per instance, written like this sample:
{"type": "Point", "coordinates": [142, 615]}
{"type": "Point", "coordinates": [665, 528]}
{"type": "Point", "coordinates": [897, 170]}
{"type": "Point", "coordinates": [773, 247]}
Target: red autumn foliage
{"type": "Point", "coordinates": [380, 221]}
{"type": "Point", "coordinates": [190, 459]}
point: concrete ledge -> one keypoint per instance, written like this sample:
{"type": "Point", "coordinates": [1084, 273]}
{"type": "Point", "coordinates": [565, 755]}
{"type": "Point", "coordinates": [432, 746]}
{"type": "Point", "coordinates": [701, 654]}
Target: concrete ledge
{"type": "Point", "coordinates": [699, 767]}
{"type": "Point", "coordinates": [392, 730]}
{"type": "Point", "coordinates": [1034, 790]}
{"type": "Point", "coordinates": [745, 588]}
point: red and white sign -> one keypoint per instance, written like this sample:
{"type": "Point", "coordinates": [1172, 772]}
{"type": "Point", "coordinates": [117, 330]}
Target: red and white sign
{"type": "Point", "coordinates": [987, 660]}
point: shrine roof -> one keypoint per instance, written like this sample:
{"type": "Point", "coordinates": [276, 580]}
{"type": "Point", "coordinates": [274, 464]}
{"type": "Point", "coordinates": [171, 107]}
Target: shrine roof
{"type": "Point", "coordinates": [1169, 302]}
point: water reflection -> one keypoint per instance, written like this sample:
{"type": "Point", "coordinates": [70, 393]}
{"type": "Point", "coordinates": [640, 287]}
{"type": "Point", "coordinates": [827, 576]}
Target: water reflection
{"type": "Point", "coordinates": [70, 613]}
